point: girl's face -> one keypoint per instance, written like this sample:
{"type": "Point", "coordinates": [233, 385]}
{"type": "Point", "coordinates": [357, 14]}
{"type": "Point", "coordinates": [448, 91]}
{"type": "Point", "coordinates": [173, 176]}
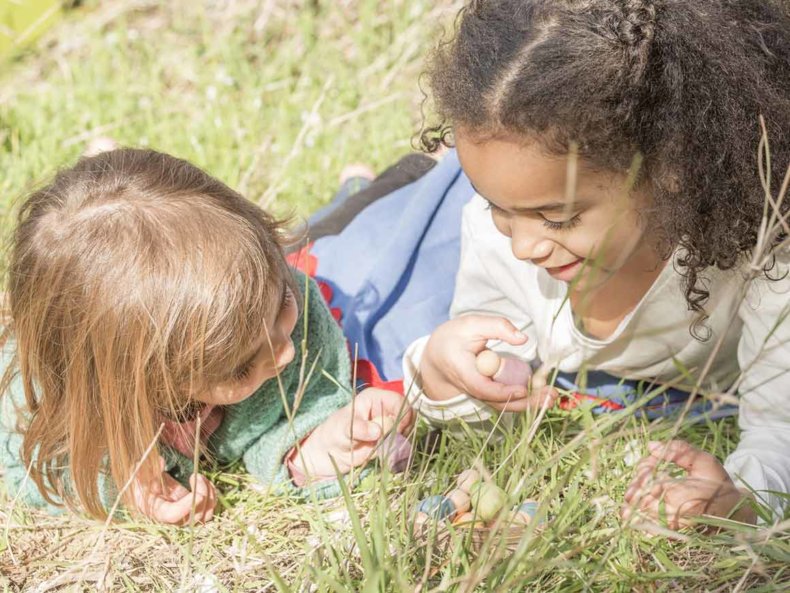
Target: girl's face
{"type": "Point", "coordinates": [267, 358]}
{"type": "Point", "coordinates": [584, 236]}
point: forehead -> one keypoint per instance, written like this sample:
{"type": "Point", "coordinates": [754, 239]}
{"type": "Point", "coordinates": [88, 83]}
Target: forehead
{"type": "Point", "coordinates": [514, 173]}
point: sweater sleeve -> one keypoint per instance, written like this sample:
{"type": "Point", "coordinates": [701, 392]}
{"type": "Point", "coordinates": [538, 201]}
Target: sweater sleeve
{"type": "Point", "coordinates": [323, 377]}
{"type": "Point", "coordinates": [761, 461]}
{"type": "Point", "coordinates": [19, 485]}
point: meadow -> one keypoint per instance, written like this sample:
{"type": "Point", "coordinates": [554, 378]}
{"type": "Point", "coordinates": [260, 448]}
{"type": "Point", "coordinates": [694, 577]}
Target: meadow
{"type": "Point", "coordinates": [274, 97]}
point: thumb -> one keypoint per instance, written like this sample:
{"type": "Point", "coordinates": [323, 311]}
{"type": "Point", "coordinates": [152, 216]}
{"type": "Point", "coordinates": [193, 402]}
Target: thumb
{"type": "Point", "coordinates": [362, 429]}
{"type": "Point", "coordinates": [696, 462]}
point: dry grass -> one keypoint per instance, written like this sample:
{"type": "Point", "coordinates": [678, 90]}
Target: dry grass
{"type": "Point", "coordinates": [274, 97]}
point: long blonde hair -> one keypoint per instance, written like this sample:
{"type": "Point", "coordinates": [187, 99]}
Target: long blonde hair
{"type": "Point", "coordinates": [135, 279]}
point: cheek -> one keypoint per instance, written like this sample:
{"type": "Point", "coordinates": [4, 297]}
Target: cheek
{"type": "Point", "coordinates": [502, 224]}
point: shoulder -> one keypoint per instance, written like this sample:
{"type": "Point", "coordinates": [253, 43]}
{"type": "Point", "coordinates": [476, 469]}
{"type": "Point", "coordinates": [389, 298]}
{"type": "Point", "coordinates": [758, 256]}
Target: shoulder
{"type": "Point", "coordinates": [769, 291]}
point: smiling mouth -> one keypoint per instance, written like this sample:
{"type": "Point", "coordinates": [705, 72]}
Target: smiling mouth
{"type": "Point", "coordinates": [566, 273]}
{"type": "Point", "coordinates": [565, 268]}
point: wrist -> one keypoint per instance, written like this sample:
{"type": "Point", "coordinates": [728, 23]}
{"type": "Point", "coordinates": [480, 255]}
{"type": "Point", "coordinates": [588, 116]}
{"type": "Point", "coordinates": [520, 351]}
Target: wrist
{"type": "Point", "coordinates": [301, 464]}
{"type": "Point", "coordinates": [432, 381]}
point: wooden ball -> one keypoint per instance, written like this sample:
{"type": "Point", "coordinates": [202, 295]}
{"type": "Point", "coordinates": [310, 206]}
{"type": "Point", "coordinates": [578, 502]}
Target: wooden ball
{"type": "Point", "coordinates": [526, 512]}
{"type": "Point", "coordinates": [437, 507]}
{"type": "Point", "coordinates": [468, 520]}
{"type": "Point", "coordinates": [488, 500]}
{"type": "Point", "coordinates": [461, 500]}
{"type": "Point", "coordinates": [466, 479]}
{"type": "Point", "coordinates": [487, 363]}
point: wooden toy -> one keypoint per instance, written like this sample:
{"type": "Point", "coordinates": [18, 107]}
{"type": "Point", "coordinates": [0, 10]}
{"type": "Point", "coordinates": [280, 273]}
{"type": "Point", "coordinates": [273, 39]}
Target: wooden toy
{"type": "Point", "coordinates": [488, 499]}
{"type": "Point", "coordinates": [526, 512]}
{"type": "Point", "coordinates": [476, 505]}
{"type": "Point", "coordinates": [466, 479]}
{"type": "Point", "coordinates": [469, 519]}
{"type": "Point", "coordinates": [503, 368]}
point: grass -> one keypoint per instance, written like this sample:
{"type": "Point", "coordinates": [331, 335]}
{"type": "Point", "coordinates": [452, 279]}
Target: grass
{"type": "Point", "coordinates": [274, 97]}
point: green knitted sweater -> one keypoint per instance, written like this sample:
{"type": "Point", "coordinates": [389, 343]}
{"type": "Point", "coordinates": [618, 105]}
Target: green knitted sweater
{"type": "Point", "coordinates": [256, 430]}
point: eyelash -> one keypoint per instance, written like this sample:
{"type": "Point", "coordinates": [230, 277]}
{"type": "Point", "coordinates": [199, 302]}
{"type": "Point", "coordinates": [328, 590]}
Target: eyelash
{"type": "Point", "coordinates": [564, 225]}
{"type": "Point", "coordinates": [242, 373]}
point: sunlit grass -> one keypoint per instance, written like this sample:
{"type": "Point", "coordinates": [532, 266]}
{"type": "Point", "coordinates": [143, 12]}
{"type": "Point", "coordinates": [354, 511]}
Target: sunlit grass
{"type": "Point", "coordinates": [274, 97]}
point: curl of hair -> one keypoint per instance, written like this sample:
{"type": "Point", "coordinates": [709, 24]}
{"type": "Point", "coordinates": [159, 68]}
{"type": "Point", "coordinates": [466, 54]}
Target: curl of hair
{"type": "Point", "coordinates": [681, 82]}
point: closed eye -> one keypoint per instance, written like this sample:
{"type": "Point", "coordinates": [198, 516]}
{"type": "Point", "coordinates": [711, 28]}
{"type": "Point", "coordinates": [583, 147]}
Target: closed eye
{"type": "Point", "coordinates": [242, 372]}
{"type": "Point", "coordinates": [562, 225]}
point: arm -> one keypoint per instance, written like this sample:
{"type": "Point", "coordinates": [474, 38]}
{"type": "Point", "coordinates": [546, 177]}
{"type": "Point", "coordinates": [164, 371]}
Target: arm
{"type": "Point", "coordinates": [760, 466]}
{"type": "Point", "coordinates": [480, 300]}
{"type": "Point", "coordinates": [326, 389]}
{"type": "Point", "coordinates": [761, 461]}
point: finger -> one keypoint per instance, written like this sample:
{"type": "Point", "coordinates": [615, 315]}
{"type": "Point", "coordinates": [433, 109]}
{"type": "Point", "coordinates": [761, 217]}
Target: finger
{"type": "Point", "coordinates": [206, 510]}
{"type": "Point", "coordinates": [648, 462]}
{"type": "Point", "coordinates": [362, 429]}
{"type": "Point", "coordinates": [486, 327]}
{"type": "Point", "coordinates": [204, 498]}
{"type": "Point", "coordinates": [544, 397]}
{"type": "Point", "coordinates": [664, 512]}
{"type": "Point", "coordinates": [489, 391]}
{"type": "Point", "coordinates": [172, 489]}
{"type": "Point", "coordinates": [408, 418]}
{"type": "Point", "coordinates": [362, 405]}
{"type": "Point", "coordinates": [176, 511]}
{"type": "Point", "coordinates": [693, 460]}
{"type": "Point", "coordinates": [644, 472]}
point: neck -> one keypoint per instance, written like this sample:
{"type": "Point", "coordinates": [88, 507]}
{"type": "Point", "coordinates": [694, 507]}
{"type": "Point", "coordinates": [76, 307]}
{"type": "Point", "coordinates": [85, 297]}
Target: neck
{"type": "Point", "coordinates": [613, 299]}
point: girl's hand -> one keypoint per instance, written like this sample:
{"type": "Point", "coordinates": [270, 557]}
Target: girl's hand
{"type": "Point", "coordinates": [706, 489]}
{"type": "Point", "coordinates": [448, 365]}
{"type": "Point", "coordinates": [166, 501]}
{"type": "Point", "coordinates": [349, 436]}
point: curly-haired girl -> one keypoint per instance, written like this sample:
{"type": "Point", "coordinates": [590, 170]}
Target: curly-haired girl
{"type": "Point", "coordinates": [152, 315]}
{"type": "Point", "coordinates": [613, 145]}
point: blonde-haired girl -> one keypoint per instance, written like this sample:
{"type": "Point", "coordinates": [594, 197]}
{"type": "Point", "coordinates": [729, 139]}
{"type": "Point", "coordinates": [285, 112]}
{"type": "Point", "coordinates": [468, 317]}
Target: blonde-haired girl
{"type": "Point", "coordinates": [149, 302]}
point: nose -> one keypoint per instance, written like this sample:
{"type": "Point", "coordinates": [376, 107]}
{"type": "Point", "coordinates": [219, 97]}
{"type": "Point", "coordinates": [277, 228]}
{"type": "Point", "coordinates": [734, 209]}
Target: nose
{"type": "Point", "coordinates": [286, 354]}
{"type": "Point", "coordinates": [528, 246]}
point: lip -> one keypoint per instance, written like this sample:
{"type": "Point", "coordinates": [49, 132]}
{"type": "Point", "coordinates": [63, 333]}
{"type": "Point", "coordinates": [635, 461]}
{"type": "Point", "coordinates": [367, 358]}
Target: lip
{"type": "Point", "coordinates": [567, 272]}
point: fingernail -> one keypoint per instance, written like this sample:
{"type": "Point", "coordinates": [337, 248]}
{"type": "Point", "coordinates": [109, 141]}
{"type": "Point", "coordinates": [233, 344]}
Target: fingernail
{"type": "Point", "coordinates": [519, 335]}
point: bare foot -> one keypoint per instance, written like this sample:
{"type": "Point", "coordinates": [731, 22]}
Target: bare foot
{"type": "Point", "coordinates": [98, 145]}
{"type": "Point", "coordinates": [356, 170]}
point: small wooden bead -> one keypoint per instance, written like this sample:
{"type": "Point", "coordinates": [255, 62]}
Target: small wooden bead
{"type": "Point", "coordinates": [437, 507]}
{"type": "Point", "coordinates": [526, 512]}
{"type": "Point", "coordinates": [468, 520]}
{"type": "Point", "coordinates": [488, 500]}
{"type": "Point", "coordinates": [466, 479]}
{"type": "Point", "coordinates": [461, 500]}
{"type": "Point", "coordinates": [503, 368]}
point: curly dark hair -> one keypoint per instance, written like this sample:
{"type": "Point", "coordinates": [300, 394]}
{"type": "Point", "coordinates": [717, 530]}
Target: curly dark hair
{"type": "Point", "coordinates": [680, 82]}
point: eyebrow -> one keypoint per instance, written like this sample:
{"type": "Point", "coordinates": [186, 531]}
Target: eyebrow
{"type": "Point", "coordinates": [550, 207]}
